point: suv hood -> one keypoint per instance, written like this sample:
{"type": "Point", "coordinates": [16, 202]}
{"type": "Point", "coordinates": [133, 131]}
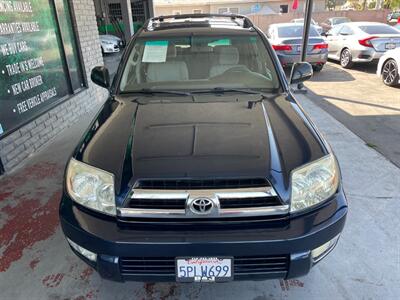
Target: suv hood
{"type": "Point", "coordinates": [200, 140]}
{"type": "Point", "coordinates": [197, 140]}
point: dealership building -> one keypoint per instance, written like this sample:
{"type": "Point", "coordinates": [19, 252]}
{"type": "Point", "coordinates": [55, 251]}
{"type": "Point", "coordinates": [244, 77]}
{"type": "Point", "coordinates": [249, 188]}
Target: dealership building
{"type": "Point", "coordinates": [47, 51]}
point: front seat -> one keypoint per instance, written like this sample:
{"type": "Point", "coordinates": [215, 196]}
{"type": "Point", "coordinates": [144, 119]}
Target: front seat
{"type": "Point", "coordinates": [171, 70]}
{"type": "Point", "coordinates": [228, 57]}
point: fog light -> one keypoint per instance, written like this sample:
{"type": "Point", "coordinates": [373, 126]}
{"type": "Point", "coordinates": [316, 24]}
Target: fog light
{"type": "Point", "coordinates": [323, 250]}
{"type": "Point", "coordinates": [86, 253]}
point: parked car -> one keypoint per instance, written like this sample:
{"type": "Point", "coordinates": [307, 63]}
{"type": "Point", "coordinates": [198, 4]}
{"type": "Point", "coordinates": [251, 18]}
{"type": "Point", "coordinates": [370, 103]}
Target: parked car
{"type": "Point", "coordinates": [286, 39]}
{"type": "Point", "coordinates": [315, 24]}
{"type": "Point", "coordinates": [388, 67]}
{"type": "Point", "coordinates": [361, 42]}
{"type": "Point", "coordinates": [393, 17]}
{"type": "Point", "coordinates": [110, 43]}
{"type": "Point", "coordinates": [329, 23]}
{"type": "Point", "coordinates": [201, 166]}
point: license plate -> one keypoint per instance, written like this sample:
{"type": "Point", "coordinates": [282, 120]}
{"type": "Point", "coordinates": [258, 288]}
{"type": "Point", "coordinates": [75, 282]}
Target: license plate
{"type": "Point", "coordinates": [203, 269]}
{"type": "Point", "coordinates": [390, 46]}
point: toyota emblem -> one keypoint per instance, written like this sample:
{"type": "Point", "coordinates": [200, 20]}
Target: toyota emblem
{"type": "Point", "coordinates": [202, 206]}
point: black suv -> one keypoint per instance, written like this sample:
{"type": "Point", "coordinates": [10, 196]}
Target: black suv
{"type": "Point", "coordinates": [201, 166]}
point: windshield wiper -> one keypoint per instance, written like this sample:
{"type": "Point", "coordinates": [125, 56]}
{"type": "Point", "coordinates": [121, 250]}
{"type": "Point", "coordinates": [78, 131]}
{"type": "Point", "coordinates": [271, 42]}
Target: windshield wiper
{"type": "Point", "coordinates": [151, 92]}
{"type": "Point", "coordinates": [221, 90]}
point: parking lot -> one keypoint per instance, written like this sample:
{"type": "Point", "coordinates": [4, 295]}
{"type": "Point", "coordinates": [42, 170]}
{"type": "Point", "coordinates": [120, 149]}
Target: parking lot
{"type": "Point", "coordinates": [365, 264]}
{"type": "Point", "coordinates": [357, 114]}
{"type": "Point", "coordinates": [358, 99]}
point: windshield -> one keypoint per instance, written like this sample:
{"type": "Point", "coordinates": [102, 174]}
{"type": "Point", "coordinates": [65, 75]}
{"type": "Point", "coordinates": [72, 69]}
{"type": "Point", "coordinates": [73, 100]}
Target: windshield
{"type": "Point", "coordinates": [295, 31]}
{"type": "Point", "coordinates": [378, 29]}
{"type": "Point", "coordinates": [340, 21]}
{"type": "Point", "coordinates": [199, 62]}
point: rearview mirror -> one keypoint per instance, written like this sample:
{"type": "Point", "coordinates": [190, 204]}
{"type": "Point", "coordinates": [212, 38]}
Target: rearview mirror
{"type": "Point", "coordinates": [101, 76]}
{"type": "Point", "coordinates": [301, 71]}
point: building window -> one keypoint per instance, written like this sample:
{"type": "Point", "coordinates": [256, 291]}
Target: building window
{"type": "Point", "coordinates": [283, 9]}
{"type": "Point", "coordinates": [68, 44]}
{"type": "Point", "coordinates": [197, 11]}
{"type": "Point", "coordinates": [138, 11]}
{"type": "Point", "coordinates": [230, 10]}
{"type": "Point", "coordinates": [234, 10]}
{"type": "Point", "coordinates": [222, 10]}
{"type": "Point", "coordinates": [114, 10]}
{"type": "Point", "coordinates": [38, 73]}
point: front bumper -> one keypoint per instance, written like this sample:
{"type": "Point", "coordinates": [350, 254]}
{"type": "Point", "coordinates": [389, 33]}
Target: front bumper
{"type": "Point", "coordinates": [111, 48]}
{"type": "Point", "coordinates": [113, 243]}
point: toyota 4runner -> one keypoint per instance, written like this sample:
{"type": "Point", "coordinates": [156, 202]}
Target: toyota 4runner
{"type": "Point", "coordinates": [201, 166]}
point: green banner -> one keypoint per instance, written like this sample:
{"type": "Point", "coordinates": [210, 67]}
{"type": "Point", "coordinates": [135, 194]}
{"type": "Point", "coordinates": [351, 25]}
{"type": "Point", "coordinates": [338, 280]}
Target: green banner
{"type": "Point", "coordinates": [32, 74]}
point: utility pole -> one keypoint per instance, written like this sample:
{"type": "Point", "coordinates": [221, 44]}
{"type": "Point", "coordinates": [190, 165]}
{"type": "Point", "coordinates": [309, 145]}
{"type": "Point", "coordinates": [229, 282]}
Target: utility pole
{"type": "Point", "coordinates": [306, 29]}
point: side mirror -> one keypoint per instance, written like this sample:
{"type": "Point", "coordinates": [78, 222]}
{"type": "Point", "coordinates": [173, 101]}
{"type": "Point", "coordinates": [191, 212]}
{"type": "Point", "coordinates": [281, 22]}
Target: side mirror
{"type": "Point", "coordinates": [301, 71]}
{"type": "Point", "coordinates": [101, 76]}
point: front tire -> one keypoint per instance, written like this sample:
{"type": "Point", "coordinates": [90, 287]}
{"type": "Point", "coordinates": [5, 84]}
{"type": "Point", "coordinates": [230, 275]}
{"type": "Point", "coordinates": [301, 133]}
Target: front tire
{"type": "Point", "coordinates": [346, 60]}
{"type": "Point", "coordinates": [390, 73]}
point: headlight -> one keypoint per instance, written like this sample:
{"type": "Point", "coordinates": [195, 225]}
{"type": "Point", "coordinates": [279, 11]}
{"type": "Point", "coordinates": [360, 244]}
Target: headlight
{"type": "Point", "coordinates": [91, 187]}
{"type": "Point", "coordinates": [314, 183]}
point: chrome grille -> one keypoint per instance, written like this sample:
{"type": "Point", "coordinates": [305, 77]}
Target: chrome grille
{"type": "Point", "coordinates": [227, 203]}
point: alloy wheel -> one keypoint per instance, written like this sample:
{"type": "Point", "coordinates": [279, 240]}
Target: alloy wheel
{"type": "Point", "coordinates": [390, 73]}
{"type": "Point", "coordinates": [345, 59]}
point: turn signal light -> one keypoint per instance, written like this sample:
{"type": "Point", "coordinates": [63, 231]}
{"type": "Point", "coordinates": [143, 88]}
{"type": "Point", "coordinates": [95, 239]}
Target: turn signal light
{"type": "Point", "coordinates": [282, 47]}
{"type": "Point", "coordinates": [367, 42]}
{"type": "Point", "coordinates": [86, 253]}
{"type": "Point", "coordinates": [320, 46]}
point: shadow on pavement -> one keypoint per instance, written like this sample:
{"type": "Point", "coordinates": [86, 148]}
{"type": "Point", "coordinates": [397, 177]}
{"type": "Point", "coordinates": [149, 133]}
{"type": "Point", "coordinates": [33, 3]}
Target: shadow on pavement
{"type": "Point", "coordinates": [369, 68]}
{"type": "Point", "coordinates": [361, 103]}
{"type": "Point", "coordinates": [378, 131]}
{"type": "Point", "coordinates": [332, 73]}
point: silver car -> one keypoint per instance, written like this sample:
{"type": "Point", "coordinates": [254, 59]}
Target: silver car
{"type": "Point", "coordinates": [361, 42]}
{"type": "Point", "coordinates": [286, 39]}
{"type": "Point", "coordinates": [315, 24]}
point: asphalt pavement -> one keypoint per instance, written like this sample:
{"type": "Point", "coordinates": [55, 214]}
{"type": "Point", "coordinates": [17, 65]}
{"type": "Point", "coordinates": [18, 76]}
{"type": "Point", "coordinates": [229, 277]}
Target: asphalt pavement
{"type": "Point", "coordinates": [358, 99]}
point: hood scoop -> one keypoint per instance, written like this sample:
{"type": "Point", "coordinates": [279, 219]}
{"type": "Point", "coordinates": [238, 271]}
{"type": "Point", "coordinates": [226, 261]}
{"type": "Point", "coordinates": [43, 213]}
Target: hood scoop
{"type": "Point", "coordinates": [194, 140]}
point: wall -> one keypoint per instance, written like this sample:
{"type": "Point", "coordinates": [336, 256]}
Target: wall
{"type": "Point", "coordinates": [17, 146]}
{"type": "Point", "coordinates": [263, 21]}
{"type": "Point", "coordinates": [244, 8]}
{"type": "Point", "coordinates": [184, 9]}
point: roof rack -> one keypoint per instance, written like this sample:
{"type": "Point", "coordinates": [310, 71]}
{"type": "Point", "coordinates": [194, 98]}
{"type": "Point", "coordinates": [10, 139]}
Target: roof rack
{"type": "Point", "coordinates": [150, 24]}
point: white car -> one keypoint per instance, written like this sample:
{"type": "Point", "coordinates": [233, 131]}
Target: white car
{"type": "Point", "coordinates": [315, 24]}
{"type": "Point", "coordinates": [110, 43]}
{"type": "Point", "coordinates": [388, 67]}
